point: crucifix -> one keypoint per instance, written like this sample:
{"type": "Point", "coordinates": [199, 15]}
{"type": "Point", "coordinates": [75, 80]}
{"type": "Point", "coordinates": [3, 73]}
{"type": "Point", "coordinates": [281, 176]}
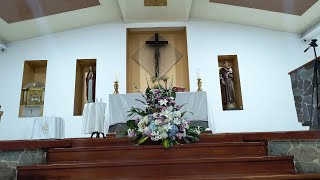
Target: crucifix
{"type": "Point", "coordinates": [157, 44]}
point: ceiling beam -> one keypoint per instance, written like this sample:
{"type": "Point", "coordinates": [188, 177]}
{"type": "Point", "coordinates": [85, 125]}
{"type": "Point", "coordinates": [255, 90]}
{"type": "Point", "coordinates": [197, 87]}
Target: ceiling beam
{"type": "Point", "coordinates": [188, 9]}
{"type": "Point", "coordinates": [312, 33]}
{"type": "Point", "coordinates": [123, 9]}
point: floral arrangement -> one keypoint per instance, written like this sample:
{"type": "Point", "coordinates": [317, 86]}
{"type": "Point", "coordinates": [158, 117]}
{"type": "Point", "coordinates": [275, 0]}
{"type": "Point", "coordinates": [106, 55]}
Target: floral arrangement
{"type": "Point", "coordinates": [161, 121]}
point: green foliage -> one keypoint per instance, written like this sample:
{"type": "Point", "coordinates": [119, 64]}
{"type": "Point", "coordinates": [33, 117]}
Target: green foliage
{"type": "Point", "coordinates": [132, 124]}
{"type": "Point", "coordinates": [134, 111]}
{"type": "Point", "coordinates": [143, 139]}
{"type": "Point", "coordinates": [141, 101]}
{"type": "Point", "coordinates": [167, 143]}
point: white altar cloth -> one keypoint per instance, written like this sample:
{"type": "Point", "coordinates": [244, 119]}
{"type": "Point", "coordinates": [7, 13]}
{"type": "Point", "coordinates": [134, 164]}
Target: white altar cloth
{"type": "Point", "coordinates": [195, 102]}
{"type": "Point", "coordinates": [93, 117]}
{"type": "Point", "coordinates": [48, 128]}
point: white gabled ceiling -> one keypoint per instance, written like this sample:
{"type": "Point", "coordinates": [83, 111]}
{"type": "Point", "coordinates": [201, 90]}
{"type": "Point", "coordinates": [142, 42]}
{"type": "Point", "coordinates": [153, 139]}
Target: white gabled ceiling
{"type": "Point", "coordinates": [133, 11]}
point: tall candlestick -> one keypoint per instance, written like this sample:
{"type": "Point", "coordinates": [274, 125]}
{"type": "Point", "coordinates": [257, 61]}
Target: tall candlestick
{"type": "Point", "coordinates": [116, 87]}
{"type": "Point", "coordinates": [199, 85]}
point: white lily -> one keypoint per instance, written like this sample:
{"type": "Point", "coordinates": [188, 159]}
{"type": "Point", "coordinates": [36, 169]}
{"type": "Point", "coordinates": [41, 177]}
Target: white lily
{"type": "Point", "coordinates": [145, 120]}
{"type": "Point", "coordinates": [163, 102]}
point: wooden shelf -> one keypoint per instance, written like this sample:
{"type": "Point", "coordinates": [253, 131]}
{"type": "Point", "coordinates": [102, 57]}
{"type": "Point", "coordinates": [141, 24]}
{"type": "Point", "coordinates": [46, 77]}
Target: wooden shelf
{"type": "Point", "coordinates": [34, 72]}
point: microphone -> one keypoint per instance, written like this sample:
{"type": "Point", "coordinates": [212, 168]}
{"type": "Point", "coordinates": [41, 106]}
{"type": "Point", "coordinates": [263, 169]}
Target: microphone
{"type": "Point", "coordinates": [307, 49]}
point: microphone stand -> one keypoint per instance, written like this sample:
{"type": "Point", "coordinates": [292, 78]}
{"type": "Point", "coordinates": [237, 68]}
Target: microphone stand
{"type": "Point", "coordinates": [315, 82]}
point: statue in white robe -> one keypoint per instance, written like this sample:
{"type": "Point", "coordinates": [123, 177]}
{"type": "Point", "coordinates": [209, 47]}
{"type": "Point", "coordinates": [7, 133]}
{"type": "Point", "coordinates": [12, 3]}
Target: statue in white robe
{"type": "Point", "coordinates": [91, 85]}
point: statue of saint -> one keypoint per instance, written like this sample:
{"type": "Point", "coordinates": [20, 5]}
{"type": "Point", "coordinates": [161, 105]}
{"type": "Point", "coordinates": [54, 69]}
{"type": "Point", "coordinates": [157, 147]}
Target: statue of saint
{"type": "Point", "coordinates": [91, 85]}
{"type": "Point", "coordinates": [1, 113]}
{"type": "Point", "coordinates": [227, 87]}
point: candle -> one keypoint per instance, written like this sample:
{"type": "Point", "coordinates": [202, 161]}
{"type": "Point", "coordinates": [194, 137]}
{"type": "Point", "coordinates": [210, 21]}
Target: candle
{"type": "Point", "coordinates": [198, 74]}
{"type": "Point", "coordinates": [116, 79]}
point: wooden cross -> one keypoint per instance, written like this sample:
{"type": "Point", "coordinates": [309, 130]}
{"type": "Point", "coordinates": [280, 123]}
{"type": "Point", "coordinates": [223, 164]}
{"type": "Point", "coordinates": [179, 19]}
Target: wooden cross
{"type": "Point", "coordinates": [157, 44]}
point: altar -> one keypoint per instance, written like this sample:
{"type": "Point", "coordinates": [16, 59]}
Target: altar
{"type": "Point", "coordinates": [195, 103]}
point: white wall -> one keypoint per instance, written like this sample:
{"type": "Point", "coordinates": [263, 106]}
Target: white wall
{"type": "Point", "coordinates": [265, 58]}
{"type": "Point", "coordinates": [106, 43]}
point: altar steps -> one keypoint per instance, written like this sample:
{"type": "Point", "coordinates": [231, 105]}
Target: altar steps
{"type": "Point", "coordinates": [111, 140]}
{"type": "Point", "coordinates": [207, 137]}
{"type": "Point", "coordinates": [157, 152]}
{"type": "Point", "coordinates": [158, 168]}
{"type": "Point", "coordinates": [220, 156]}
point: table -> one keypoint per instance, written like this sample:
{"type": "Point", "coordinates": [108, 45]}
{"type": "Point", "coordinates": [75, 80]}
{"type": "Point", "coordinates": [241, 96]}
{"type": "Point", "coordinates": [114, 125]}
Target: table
{"type": "Point", "coordinates": [93, 117]}
{"type": "Point", "coordinates": [195, 102]}
{"type": "Point", "coordinates": [48, 128]}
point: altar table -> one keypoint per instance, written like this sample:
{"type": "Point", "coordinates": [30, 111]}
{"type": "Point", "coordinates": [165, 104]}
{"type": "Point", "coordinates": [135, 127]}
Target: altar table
{"type": "Point", "coordinates": [195, 102]}
{"type": "Point", "coordinates": [48, 128]}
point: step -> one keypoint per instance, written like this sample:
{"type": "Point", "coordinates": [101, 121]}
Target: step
{"type": "Point", "coordinates": [112, 140]}
{"type": "Point", "coordinates": [157, 152]}
{"type": "Point", "coordinates": [260, 176]}
{"type": "Point", "coordinates": [205, 138]}
{"type": "Point", "coordinates": [182, 167]}
{"type": "Point", "coordinates": [94, 142]}
{"type": "Point", "coordinates": [285, 135]}
{"type": "Point", "coordinates": [33, 144]}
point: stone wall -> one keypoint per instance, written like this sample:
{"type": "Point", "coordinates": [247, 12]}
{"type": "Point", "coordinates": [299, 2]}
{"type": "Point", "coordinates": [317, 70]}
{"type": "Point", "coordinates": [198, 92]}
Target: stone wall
{"type": "Point", "coordinates": [9, 160]}
{"type": "Point", "coordinates": [302, 88]}
{"type": "Point", "coordinates": [306, 153]}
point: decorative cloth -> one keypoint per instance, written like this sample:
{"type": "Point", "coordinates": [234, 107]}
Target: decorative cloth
{"type": "Point", "coordinates": [195, 103]}
{"type": "Point", "coordinates": [48, 128]}
{"type": "Point", "coordinates": [93, 117]}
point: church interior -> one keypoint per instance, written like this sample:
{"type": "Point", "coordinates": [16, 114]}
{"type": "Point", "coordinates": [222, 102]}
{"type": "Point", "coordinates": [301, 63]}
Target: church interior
{"type": "Point", "coordinates": [208, 89]}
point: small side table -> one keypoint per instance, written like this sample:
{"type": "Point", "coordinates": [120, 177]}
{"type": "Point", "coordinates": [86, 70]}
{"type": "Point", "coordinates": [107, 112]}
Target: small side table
{"type": "Point", "coordinates": [48, 128]}
{"type": "Point", "coordinates": [93, 119]}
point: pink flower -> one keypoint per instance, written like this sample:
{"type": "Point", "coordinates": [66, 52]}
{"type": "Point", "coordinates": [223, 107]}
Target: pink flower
{"type": "Point", "coordinates": [147, 132]}
{"type": "Point", "coordinates": [184, 125]}
{"type": "Point", "coordinates": [137, 120]}
{"type": "Point", "coordinates": [131, 133]}
{"type": "Point", "coordinates": [156, 91]}
{"type": "Point", "coordinates": [163, 108]}
{"type": "Point", "coordinates": [179, 135]}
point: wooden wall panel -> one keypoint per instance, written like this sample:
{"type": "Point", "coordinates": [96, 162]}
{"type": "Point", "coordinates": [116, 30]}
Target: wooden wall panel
{"type": "Point", "coordinates": [40, 74]}
{"type": "Point", "coordinates": [19, 10]}
{"type": "Point", "coordinates": [136, 74]}
{"type": "Point", "coordinates": [295, 7]}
